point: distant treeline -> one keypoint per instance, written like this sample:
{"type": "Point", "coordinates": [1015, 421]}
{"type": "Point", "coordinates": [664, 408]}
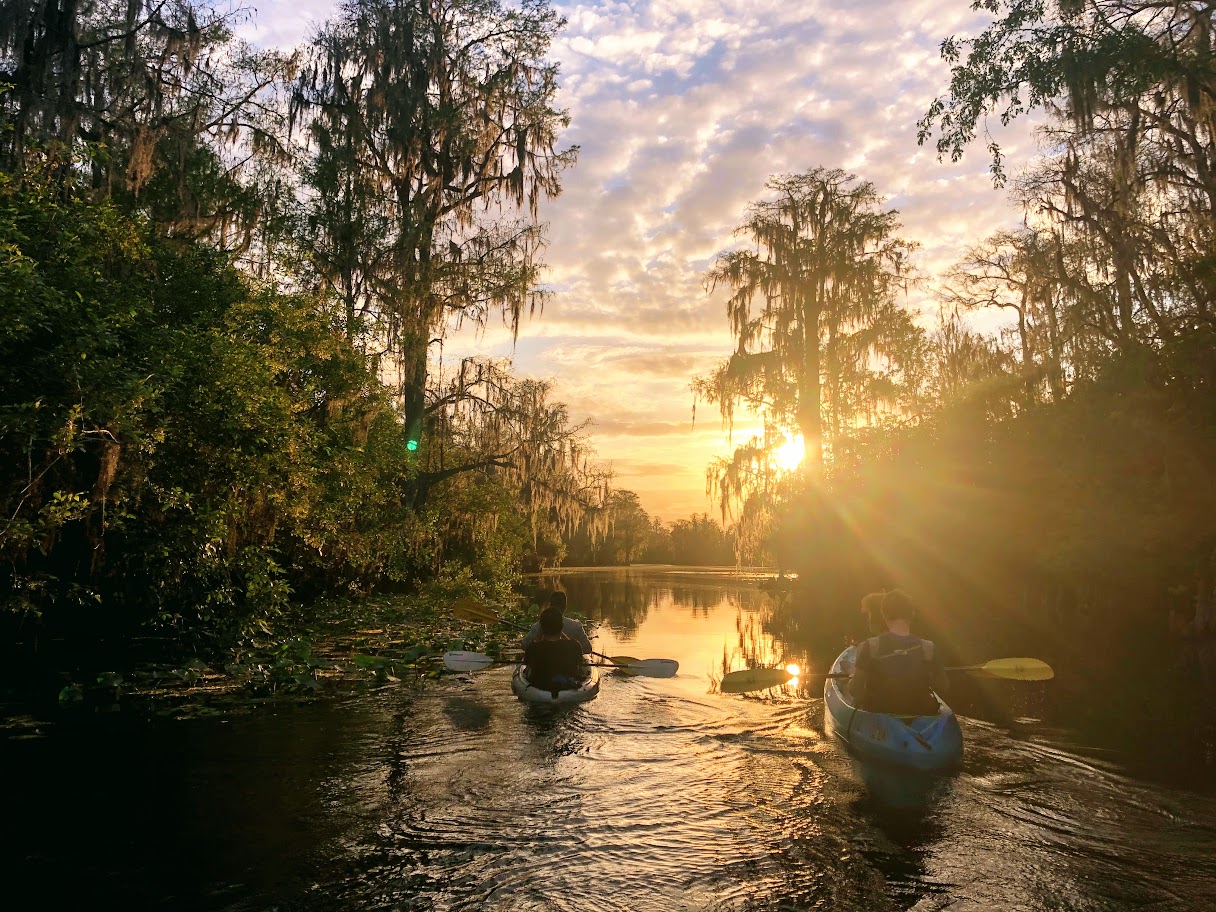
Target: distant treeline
{"type": "Point", "coordinates": [634, 537]}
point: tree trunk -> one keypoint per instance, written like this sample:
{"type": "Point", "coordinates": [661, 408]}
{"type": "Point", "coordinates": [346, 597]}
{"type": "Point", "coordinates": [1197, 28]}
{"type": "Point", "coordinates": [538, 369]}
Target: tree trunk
{"type": "Point", "coordinates": [810, 411]}
{"type": "Point", "coordinates": [413, 401]}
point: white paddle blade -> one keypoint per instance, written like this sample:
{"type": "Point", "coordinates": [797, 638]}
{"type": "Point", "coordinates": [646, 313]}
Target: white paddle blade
{"type": "Point", "coordinates": [467, 661]}
{"type": "Point", "coordinates": [754, 679]}
{"type": "Point", "coordinates": [653, 668]}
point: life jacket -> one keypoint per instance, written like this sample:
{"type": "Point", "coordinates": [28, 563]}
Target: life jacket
{"type": "Point", "coordinates": [899, 678]}
{"type": "Point", "coordinates": [554, 664]}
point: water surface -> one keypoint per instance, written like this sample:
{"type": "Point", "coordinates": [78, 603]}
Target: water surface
{"type": "Point", "coordinates": [659, 795]}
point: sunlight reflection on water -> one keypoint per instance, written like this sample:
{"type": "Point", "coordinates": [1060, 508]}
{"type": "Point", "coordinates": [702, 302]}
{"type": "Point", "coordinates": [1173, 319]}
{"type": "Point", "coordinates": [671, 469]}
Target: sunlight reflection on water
{"type": "Point", "coordinates": [658, 795]}
{"type": "Point", "coordinates": [664, 795]}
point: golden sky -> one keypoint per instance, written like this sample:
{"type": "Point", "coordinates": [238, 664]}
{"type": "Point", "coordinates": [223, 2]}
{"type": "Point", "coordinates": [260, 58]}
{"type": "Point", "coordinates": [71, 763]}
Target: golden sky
{"type": "Point", "coordinates": [683, 109]}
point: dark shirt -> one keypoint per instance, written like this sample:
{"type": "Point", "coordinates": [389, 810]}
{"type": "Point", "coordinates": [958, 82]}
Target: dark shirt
{"type": "Point", "coordinates": [549, 659]}
{"type": "Point", "coordinates": [898, 675]}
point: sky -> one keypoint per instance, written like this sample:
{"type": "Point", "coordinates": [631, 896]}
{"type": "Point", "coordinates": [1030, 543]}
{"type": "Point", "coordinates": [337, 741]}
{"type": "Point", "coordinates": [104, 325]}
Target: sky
{"type": "Point", "coordinates": [682, 110]}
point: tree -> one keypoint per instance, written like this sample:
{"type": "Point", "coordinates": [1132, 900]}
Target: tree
{"type": "Point", "coordinates": [1017, 271]}
{"type": "Point", "coordinates": [435, 137]}
{"type": "Point", "coordinates": [630, 526]}
{"type": "Point", "coordinates": [483, 419]}
{"type": "Point", "coordinates": [701, 541]}
{"type": "Point", "coordinates": [806, 300]}
{"type": "Point", "coordinates": [1128, 86]}
{"type": "Point", "coordinates": [133, 91]}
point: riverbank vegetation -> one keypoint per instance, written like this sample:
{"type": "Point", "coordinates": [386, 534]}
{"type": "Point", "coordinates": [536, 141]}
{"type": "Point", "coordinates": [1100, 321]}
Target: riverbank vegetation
{"type": "Point", "coordinates": [1049, 482]}
{"type": "Point", "coordinates": [227, 275]}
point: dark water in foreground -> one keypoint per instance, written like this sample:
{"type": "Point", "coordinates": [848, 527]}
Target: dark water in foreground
{"type": "Point", "coordinates": [659, 795]}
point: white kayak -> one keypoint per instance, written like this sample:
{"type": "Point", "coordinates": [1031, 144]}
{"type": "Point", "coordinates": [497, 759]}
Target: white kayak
{"type": "Point", "coordinates": [588, 689]}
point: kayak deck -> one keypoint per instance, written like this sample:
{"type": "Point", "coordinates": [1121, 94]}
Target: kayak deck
{"type": "Point", "coordinates": [914, 742]}
{"type": "Point", "coordinates": [588, 689]}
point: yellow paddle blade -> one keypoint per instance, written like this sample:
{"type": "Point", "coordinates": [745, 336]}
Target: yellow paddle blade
{"type": "Point", "coordinates": [472, 610]}
{"type": "Point", "coordinates": [623, 662]}
{"type": "Point", "coordinates": [654, 668]}
{"type": "Point", "coordinates": [1018, 669]}
{"type": "Point", "coordinates": [754, 679]}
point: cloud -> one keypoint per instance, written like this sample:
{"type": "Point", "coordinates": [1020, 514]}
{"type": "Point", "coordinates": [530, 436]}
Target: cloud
{"type": "Point", "coordinates": [683, 110]}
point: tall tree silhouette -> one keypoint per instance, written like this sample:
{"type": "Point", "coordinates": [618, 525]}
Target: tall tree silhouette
{"type": "Point", "coordinates": [436, 138]}
{"type": "Point", "coordinates": [817, 280]}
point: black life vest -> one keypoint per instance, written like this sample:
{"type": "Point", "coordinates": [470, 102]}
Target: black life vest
{"type": "Point", "coordinates": [553, 661]}
{"type": "Point", "coordinates": [899, 678]}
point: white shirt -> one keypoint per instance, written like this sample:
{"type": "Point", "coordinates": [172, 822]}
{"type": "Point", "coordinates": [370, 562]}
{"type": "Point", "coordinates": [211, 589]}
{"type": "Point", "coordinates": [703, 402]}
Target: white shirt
{"type": "Point", "coordinates": [570, 627]}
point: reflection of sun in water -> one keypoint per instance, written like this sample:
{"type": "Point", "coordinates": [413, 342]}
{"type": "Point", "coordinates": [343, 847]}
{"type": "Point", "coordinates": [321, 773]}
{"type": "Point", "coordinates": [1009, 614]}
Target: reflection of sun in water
{"type": "Point", "coordinates": [789, 455]}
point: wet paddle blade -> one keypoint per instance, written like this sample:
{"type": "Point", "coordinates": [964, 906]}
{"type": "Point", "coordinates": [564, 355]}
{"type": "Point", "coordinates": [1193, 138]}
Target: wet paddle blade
{"type": "Point", "coordinates": [467, 661]}
{"type": "Point", "coordinates": [1018, 669]}
{"type": "Point", "coordinates": [754, 679]}
{"type": "Point", "coordinates": [648, 668]}
{"type": "Point", "coordinates": [472, 610]}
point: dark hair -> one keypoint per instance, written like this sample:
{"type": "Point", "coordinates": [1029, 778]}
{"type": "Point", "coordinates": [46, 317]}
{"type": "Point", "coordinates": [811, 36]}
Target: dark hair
{"type": "Point", "coordinates": [558, 600]}
{"type": "Point", "coordinates": [897, 605]}
{"type": "Point", "coordinates": [550, 621]}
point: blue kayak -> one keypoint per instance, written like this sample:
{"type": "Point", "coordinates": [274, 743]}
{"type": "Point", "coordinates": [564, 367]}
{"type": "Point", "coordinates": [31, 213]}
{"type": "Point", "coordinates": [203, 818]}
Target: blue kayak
{"type": "Point", "coordinates": [911, 742]}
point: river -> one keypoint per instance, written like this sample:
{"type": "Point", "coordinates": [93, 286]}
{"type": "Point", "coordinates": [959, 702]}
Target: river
{"type": "Point", "coordinates": [659, 795]}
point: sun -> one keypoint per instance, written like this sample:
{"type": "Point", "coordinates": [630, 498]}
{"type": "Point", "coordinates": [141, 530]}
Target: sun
{"type": "Point", "coordinates": [789, 455]}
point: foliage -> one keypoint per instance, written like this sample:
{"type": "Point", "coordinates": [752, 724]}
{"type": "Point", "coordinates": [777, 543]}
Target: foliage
{"type": "Point", "coordinates": [635, 537]}
{"type": "Point", "coordinates": [185, 448]}
{"type": "Point", "coordinates": [624, 540]}
{"type": "Point", "coordinates": [143, 97]}
{"type": "Point", "coordinates": [483, 419]}
{"type": "Point", "coordinates": [424, 117]}
{"type": "Point", "coordinates": [190, 445]}
{"type": "Point", "coordinates": [811, 303]}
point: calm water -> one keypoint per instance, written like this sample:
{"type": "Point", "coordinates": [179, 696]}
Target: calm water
{"type": "Point", "coordinates": [659, 795]}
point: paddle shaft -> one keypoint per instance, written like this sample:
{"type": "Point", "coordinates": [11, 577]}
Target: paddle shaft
{"type": "Point", "coordinates": [1021, 669]}
{"type": "Point", "coordinates": [598, 655]}
{"type": "Point", "coordinates": [476, 611]}
{"type": "Point", "coordinates": [849, 674]}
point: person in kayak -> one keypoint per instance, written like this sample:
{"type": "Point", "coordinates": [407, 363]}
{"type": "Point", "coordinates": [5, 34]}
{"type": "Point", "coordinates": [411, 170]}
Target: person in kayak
{"type": "Point", "coordinates": [570, 627]}
{"type": "Point", "coordinates": [895, 672]}
{"type": "Point", "coordinates": [554, 661]}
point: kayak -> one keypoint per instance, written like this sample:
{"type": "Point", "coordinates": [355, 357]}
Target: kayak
{"type": "Point", "coordinates": [911, 742]}
{"type": "Point", "coordinates": [588, 689]}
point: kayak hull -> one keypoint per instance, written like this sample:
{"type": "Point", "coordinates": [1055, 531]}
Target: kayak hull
{"type": "Point", "coordinates": [589, 689]}
{"type": "Point", "coordinates": [909, 742]}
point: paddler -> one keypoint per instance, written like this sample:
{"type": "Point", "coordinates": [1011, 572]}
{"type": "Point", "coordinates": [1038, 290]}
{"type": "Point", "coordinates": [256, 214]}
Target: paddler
{"type": "Point", "coordinates": [570, 627]}
{"type": "Point", "coordinates": [554, 661]}
{"type": "Point", "coordinates": [895, 672]}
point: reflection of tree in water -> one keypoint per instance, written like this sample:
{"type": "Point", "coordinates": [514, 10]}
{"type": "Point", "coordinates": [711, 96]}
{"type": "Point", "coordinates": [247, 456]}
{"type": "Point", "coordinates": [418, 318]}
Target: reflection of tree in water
{"type": "Point", "coordinates": [777, 629]}
{"type": "Point", "coordinates": [623, 600]}
{"type": "Point", "coordinates": [614, 599]}
{"type": "Point", "coordinates": [755, 647]}
{"type": "Point", "coordinates": [811, 627]}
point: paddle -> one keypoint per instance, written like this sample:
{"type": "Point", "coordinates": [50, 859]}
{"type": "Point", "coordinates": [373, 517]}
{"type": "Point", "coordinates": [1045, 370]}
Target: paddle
{"type": "Point", "coordinates": [472, 610]}
{"type": "Point", "coordinates": [1012, 669]}
{"type": "Point", "coordinates": [764, 678]}
{"type": "Point", "coordinates": [477, 661]}
{"type": "Point", "coordinates": [754, 679]}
